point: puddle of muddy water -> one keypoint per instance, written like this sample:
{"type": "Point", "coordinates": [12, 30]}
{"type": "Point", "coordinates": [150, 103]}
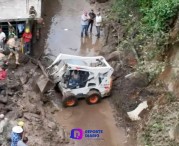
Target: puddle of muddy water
{"type": "Point", "coordinates": [93, 117]}
{"type": "Point", "coordinates": [64, 35]}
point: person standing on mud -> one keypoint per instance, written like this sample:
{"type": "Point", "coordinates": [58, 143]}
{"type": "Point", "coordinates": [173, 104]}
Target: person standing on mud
{"type": "Point", "coordinates": [84, 24]}
{"type": "Point", "coordinates": [98, 24]}
{"type": "Point", "coordinates": [27, 36]}
{"type": "Point", "coordinates": [11, 29]}
{"type": "Point", "coordinates": [92, 16]}
{"type": "Point", "coordinates": [16, 135]}
{"type": "Point", "coordinates": [13, 47]}
{"type": "Point", "coordinates": [2, 38]}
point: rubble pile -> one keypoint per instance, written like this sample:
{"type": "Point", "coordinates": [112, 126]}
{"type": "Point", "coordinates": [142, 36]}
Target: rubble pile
{"type": "Point", "coordinates": [19, 100]}
{"type": "Point", "coordinates": [158, 129]}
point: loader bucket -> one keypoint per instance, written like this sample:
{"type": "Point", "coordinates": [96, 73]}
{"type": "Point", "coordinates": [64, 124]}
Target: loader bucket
{"type": "Point", "coordinates": [44, 84]}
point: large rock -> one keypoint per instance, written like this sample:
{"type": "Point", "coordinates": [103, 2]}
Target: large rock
{"type": "Point", "coordinates": [115, 56]}
{"type": "Point", "coordinates": [138, 79]}
{"type": "Point", "coordinates": [3, 99]}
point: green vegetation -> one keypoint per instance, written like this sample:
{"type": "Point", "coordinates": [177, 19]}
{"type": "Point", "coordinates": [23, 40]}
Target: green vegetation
{"type": "Point", "coordinates": [147, 24]}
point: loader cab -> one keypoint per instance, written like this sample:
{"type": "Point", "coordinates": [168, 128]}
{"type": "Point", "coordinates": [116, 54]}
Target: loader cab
{"type": "Point", "coordinates": [75, 78]}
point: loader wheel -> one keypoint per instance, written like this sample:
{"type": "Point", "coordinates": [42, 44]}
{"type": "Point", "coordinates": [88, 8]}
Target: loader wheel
{"type": "Point", "coordinates": [69, 101]}
{"type": "Point", "coordinates": [93, 97]}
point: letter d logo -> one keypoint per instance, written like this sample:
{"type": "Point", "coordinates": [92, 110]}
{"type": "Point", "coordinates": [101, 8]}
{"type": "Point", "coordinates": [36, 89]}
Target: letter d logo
{"type": "Point", "coordinates": [76, 134]}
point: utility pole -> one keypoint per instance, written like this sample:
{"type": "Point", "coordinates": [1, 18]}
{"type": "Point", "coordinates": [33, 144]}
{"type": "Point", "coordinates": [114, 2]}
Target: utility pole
{"type": "Point", "coordinates": [27, 6]}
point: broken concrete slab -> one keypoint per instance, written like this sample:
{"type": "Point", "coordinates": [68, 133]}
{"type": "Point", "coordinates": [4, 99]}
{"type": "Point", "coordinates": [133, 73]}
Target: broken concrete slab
{"type": "Point", "coordinates": [24, 79]}
{"type": "Point", "coordinates": [134, 115]}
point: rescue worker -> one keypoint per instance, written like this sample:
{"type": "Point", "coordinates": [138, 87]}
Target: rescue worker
{"type": "Point", "coordinates": [22, 142]}
{"type": "Point", "coordinates": [11, 30]}
{"type": "Point", "coordinates": [3, 72]}
{"type": "Point", "coordinates": [2, 38]}
{"type": "Point", "coordinates": [13, 47]}
{"type": "Point", "coordinates": [16, 135]}
{"type": "Point", "coordinates": [27, 36]}
{"type": "Point", "coordinates": [32, 12]}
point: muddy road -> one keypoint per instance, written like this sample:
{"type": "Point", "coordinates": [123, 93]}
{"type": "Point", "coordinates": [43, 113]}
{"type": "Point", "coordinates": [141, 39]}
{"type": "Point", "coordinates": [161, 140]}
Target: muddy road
{"type": "Point", "coordinates": [64, 33]}
{"type": "Point", "coordinates": [64, 37]}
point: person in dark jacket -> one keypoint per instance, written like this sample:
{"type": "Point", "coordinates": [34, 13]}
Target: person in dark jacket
{"type": "Point", "coordinates": [92, 16]}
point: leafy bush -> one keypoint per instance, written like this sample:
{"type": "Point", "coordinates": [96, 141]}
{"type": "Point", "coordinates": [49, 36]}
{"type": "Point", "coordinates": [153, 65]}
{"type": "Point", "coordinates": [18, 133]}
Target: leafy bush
{"type": "Point", "coordinates": [158, 13]}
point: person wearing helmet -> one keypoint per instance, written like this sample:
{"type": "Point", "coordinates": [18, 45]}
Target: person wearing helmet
{"type": "Point", "coordinates": [16, 135]}
{"type": "Point", "coordinates": [27, 36]}
{"type": "Point", "coordinates": [13, 47]}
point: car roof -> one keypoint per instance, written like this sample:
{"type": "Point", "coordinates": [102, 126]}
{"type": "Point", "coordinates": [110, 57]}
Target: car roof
{"type": "Point", "coordinates": [76, 62]}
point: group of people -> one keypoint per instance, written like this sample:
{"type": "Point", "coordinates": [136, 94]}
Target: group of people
{"type": "Point", "coordinates": [17, 135]}
{"type": "Point", "coordinates": [13, 44]}
{"type": "Point", "coordinates": [88, 19]}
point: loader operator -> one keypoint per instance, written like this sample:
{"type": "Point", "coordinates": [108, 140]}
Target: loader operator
{"type": "Point", "coordinates": [75, 79]}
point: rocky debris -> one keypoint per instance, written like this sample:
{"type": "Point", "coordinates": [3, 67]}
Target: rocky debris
{"type": "Point", "coordinates": [141, 79]}
{"type": "Point", "coordinates": [115, 56]}
{"type": "Point", "coordinates": [24, 79]}
{"type": "Point", "coordinates": [14, 85]}
{"type": "Point", "coordinates": [31, 117]}
{"type": "Point", "coordinates": [3, 99]}
{"type": "Point", "coordinates": [92, 1]}
{"type": "Point", "coordinates": [162, 119]}
{"type": "Point", "coordinates": [3, 124]}
{"type": "Point", "coordinates": [174, 133]}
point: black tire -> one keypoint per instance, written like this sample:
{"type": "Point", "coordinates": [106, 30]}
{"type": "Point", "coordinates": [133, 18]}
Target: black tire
{"type": "Point", "coordinates": [69, 101]}
{"type": "Point", "coordinates": [93, 97]}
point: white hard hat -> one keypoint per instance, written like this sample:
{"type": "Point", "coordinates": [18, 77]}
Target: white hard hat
{"type": "Point", "coordinates": [17, 129]}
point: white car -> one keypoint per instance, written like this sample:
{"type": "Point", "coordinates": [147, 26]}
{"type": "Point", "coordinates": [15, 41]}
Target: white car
{"type": "Point", "coordinates": [81, 77]}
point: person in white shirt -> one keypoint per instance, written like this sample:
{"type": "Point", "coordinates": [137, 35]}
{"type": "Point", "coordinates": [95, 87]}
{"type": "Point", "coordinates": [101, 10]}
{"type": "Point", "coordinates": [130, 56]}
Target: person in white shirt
{"type": "Point", "coordinates": [98, 24]}
{"type": "Point", "coordinates": [84, 24]}
{"type": "Point", "coordinates": [2, 38]}
{"type": "Point", "coordinates": [13, 47]}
